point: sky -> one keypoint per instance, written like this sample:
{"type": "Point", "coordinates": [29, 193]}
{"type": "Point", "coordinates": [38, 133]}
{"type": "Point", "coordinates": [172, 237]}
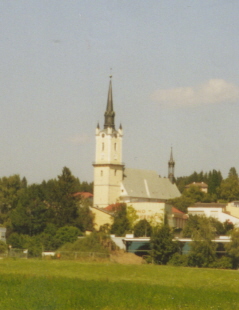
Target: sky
{"type": "Point", "coordinates": [175, 67]}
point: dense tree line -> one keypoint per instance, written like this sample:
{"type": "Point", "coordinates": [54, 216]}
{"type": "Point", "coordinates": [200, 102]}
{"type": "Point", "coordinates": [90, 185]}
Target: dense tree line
{"type": "Point", "coordinates": [203, 251]}
{"type": "Point", "coordinates": [47, 212]}
{"type": "Point", "coordinates": [212, 178]}
{"type": "Point", "coordinates": [219, 189]}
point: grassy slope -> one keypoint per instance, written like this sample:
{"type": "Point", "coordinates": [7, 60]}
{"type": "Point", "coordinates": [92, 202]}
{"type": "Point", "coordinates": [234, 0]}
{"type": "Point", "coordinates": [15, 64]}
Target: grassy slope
{"type": "Point", "coordinates": [43, 285]}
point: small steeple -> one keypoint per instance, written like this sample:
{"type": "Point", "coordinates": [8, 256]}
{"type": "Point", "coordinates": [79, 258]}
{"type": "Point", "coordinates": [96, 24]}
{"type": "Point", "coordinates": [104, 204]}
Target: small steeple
{"type": "Point", "coordinates": [171, 165]}
{"type": "Point", "coordinates": [109, 113]}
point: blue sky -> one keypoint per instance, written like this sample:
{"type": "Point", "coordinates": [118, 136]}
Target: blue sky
{"type": "Point", "coordinates": [175, 71]}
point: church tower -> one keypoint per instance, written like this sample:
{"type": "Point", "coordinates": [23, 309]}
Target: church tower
{"type": "Point", "coordinates": [108, 166]}
{"type": "Point", "coordinates": [171, 165]}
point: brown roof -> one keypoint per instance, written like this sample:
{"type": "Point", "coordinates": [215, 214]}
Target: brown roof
{"type": "Point", "coordinates": [208, 205]}
{"type": "Point", "coordinates": [175, 210]}
{"type": "Point", "coordinates": [83, 195]}
{"type": "Point", "coordinates": [113, 207]}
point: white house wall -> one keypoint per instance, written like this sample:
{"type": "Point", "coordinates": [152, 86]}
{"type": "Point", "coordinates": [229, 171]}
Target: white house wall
{"type": "Point", "coordinates": [217, 213]}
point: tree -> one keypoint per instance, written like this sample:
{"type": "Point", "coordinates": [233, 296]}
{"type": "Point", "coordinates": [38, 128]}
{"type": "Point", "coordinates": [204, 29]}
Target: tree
{"type": "Point", "coordinates": [86, 187]}
{"type": "Point", "coordinates": [194, 193]}
{"type": "Point", "coordinates": [203, 249]}
{"type": "Point", "coordinates": [62, 203]}
{"type": "Point", "coordinates": [29, 217]}
{"type": "Point", "coordinates": [10, 190]}
{"type": "Point", "coordinates": [85, 218]}
{"type": "Point", "coordinates": [181, 203]}
{"type": "Point", "coordinates": [66, 234]}
{"type": "Point", "coordinates": [189, 197]}
{"type": "Point", "coordinates": [131, 216]}
{"type": "Point", "coordinates": [196, 222]}
{"type": "Point", "coordinates": [193, 223]}
{"type": "Point", "coordinates": [229, 189]}
{"type": "Point", "coordinates": [3, 247]}
{"type": "Point", "coordinates": [214, 181]}
{"type": "Point", "coordinates": [233, 173]}
{"type": "Point", "coordinates": [121, 224]}
{"type": "Point", "coordinates": [232, 248]}
{"type": "Point", "coordinates": [142, 229]}
{"type": "Point", "coordinates": [162, 245]}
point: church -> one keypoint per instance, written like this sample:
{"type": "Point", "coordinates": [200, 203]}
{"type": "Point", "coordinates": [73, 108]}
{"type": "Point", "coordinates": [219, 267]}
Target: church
{"type": "Point", "coordinates": [144, 190]}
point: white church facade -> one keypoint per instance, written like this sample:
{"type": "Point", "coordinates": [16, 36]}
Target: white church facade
{"type": "Point", "coordinates": [144, 190]}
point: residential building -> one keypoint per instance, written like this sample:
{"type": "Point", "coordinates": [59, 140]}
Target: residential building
{"type": "Point", "coordinates": [179, 218]}
{"type": "Point", "coordinates": [3, 234]}
{"type": "Point", "coordinates": [201, 185]}
{"type": "Point", "coordinates": [216, 210]}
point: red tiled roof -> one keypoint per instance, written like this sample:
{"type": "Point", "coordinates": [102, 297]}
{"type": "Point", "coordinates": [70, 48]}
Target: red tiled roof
{"type": "Point", "coordinates": [84, 195]}
{"type": "Point", "coordinates": [113, 207]}
{"type": "Point", "coordinates": [175, 210]}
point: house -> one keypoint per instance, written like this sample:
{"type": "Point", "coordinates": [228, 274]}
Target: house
{"type": "Point", "coordinates": [179, 218]}
{"type": "Point", "coordinates": [3, 234]}
{"type": "Point", "coordinates": [233, 208]}
{"type": "Point", "coordinates": [216, 210]}
{"type": "Point", "coordinates": [141, 246]}
{"type": "Point", "coordinates": [221, 241]}
{"type": "Point", "coordinates": [201, 185]}
{"type": "Point", "coordinates": [101, 217]}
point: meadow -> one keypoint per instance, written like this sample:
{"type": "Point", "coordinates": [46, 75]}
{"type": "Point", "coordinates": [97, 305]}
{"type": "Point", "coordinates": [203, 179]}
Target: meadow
{"type": "Point", "coordinates": [72, 285]}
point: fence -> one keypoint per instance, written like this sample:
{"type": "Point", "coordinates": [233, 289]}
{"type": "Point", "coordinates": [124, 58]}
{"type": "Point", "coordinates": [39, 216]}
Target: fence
{"type": "Point", "coordinates": [81, 255]}
{"type": "Point", "coordinates": [15, 253]}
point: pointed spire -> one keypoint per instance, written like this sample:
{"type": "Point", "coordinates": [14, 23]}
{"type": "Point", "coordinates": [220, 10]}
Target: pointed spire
{"type": "Point", "coordinates": [171, 161]}
{"type": "Point", "coordinates": [109, 113]}
{"type": "Point", "coordinates": [171, 164]}
{"type": "Point", "coordinates": [98, 126]}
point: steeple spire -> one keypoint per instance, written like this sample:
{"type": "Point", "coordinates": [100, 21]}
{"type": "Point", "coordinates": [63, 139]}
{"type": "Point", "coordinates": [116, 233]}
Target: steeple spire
{"type": "Point", "coordinates": [171, 165]}
{"type": "Point", "coordinates": [109, 113]}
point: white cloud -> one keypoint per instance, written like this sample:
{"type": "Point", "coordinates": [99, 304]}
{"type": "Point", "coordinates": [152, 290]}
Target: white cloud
{"type": "Point", "coordinates": [79, 139]}
{"type": "Point", "coordinates": [212, 91]}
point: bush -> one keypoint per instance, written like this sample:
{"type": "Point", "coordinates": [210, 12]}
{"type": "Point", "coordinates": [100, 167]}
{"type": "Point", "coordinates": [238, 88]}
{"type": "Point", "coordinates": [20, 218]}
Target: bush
{"type": "Point", "coordinates": [179, 260]}
{"type": "Point", "coordinates": [142, 229]}
{"type": "Point", "coordinates": [3, 247]}
{"type": "Point", "coordinates": [18, 241]}
{"type": "Point", "coordinates": [224, 262]}
{"type": "Point", "coordinates": [162, 245]}
{"type": "Point", "coordinates": [96, 242]}
{"type": "Point", "coordinates": [66, 234]}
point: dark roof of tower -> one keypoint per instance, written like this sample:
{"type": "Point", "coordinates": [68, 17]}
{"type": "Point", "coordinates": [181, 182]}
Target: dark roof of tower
{"type": "Point", "coordinates": [171, 161]}
{"type": "Point", "coordinates": [109, 113]}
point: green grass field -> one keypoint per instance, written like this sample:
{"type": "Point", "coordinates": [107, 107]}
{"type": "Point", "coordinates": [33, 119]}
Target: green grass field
{"type": "Point", "coordinates": [72, 285]}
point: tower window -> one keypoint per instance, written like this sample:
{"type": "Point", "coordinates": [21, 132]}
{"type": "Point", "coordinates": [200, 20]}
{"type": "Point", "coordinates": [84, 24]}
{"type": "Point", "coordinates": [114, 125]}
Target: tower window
{"type": "Point", "coordinates": [101, 172]}
{"type": "Point", "coordinates": [115, 146]}
{"type": "Point", "coordinates": [103, 146]}
{"type": "Point", "coordinates": [115, 172]}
